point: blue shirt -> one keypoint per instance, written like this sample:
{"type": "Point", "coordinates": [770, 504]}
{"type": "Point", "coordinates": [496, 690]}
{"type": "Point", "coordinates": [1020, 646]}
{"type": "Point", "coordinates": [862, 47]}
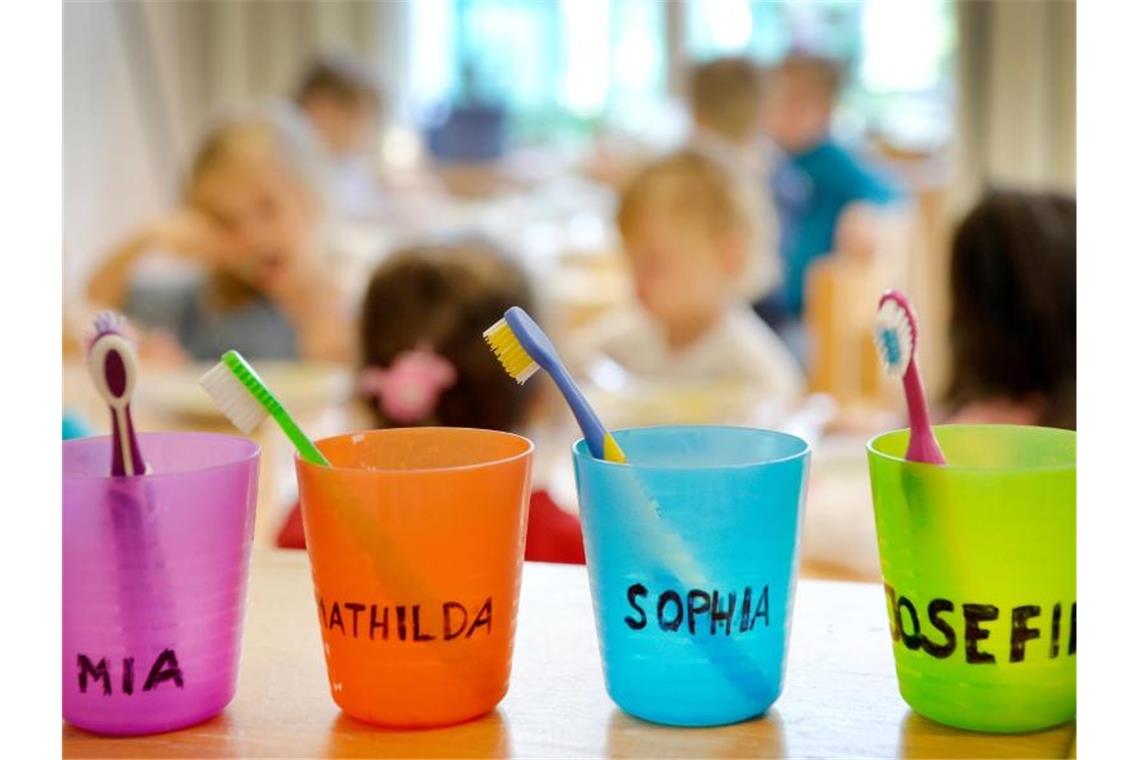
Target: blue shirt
{"type": "Point", "coordinates": [257, 329]}
{"type": "Point", "coordinates": [810, 190]}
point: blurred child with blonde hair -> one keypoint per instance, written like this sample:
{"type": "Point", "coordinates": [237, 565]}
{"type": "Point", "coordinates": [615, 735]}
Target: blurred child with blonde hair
{"type": "Point", "coordinates": [688, 226]}
{"type": "Point", "coordinates": [251, 226]}
{"type": "Point", "coordinates": [726, 100]}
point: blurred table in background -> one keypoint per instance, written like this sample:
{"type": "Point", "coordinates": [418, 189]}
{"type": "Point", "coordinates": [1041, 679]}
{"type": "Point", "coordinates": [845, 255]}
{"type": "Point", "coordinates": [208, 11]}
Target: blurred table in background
{"type": "Point", "coordinates": [840, 698]}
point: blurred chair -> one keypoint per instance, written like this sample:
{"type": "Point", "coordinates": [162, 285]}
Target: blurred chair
{"type": "Point", "coordinates": [841, 296]}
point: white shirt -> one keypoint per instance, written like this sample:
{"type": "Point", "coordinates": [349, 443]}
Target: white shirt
{"type": "Point", "coordinates": [739, 348]}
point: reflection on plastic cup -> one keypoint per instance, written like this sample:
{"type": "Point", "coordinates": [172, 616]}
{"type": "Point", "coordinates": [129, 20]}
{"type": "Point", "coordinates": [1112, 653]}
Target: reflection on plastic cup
{"type": "Point", "coordinates": [416, 539]}
{"type": "Point", "coordinates": [979, 564]}
{"type": "Point", "coordinates": [154, 579]}
{"type": "Point", "coordinates": [692, 553]}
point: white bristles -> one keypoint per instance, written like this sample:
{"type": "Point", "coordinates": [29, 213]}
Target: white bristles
{"type": "Point", "coordinates": [233, 399]}
{"type": "Point", "coordinates": [510, 353]}
{"type": "Point", "coordinates": [894, 337]}
{"type": "Point", "coordinates": [109, 321]}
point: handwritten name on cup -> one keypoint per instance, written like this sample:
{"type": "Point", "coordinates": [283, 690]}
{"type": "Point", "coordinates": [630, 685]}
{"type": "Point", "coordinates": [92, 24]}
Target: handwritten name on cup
{"type": "Point", "coordinates": [447, 621]}
{"type": "Point", "coordinates": [697, 609]}
{"type": "Point", "coordinates": [966, 628]}
{"type": "Point", "coordinates": [99, 677]}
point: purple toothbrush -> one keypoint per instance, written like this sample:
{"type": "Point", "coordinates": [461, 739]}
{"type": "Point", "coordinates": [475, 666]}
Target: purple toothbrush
{"type": "Point", "coordinates": [143, 585]}
{"type": "Point", "coordinates": [114, 370]}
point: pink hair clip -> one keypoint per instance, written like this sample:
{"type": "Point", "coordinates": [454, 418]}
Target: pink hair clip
{"type": "Point", "coordinates": [409, 390]}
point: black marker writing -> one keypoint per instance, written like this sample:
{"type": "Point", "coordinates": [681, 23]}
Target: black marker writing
{"type": "Point", "coordinates": [416, 623]}
{"type": "Point", "coordinates": [974, 628]}
{"type": "Point", "coordinates": [165, 668]}
{"type": "Point", "coordinates": [1021, 632]}
{"type": "Point", "coordinates": [632, 594]}
{"type": "Point", "coordinates": [933, 611]}
{"type": "Point", "coordinates": [98, 672]}
{"type": "Point", "coordinates": [674, 609]}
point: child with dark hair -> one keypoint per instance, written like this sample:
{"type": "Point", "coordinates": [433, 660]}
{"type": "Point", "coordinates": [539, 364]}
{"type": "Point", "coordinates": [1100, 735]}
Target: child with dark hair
{"type": "Point", "coordinates": [344, 105]}
{"type": "Point", "coordinates": [1013, 321]}
{"type": "Point", "coordinates": [342, 100]}
{"type": "Point", "coordinates": [425, 363]}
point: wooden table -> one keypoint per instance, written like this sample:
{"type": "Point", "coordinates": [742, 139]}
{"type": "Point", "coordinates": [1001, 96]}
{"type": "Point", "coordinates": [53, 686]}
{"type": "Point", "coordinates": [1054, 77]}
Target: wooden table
{"type": "Point", "coordinates": [840, 699]}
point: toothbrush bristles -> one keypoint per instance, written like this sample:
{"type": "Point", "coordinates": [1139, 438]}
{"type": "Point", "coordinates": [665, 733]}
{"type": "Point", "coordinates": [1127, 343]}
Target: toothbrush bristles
{"type": "Point", "coordinates": [232, 398]}
{"type": "Point", "coordinates": [107, 321]}
{"type": "Point", "coordinates": [894, 337]}
{"type": "Point", "coordinates": [510, 353]}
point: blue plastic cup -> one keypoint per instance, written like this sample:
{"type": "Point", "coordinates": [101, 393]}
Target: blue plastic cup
{"type": "Point", "coordinates": [692, 550]}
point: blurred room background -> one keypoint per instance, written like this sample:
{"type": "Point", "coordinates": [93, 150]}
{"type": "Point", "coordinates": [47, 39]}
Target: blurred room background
{"type": "Point", "coordinates": [520, 120]}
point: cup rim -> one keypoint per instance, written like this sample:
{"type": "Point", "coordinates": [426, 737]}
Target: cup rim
{"type": "Point", "coordinates": [581, 451]}
{"type": "Point", "coordinates": [252, 452]}
{"type": "Point", "coordinates": [528, 451]}
{"type": "Point", "coordinates": [879, 454]}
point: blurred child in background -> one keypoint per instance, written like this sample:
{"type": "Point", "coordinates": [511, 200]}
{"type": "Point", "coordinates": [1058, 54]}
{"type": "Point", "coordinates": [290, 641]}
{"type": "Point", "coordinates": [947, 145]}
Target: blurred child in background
{"type": "Point", "coordinates": [251, 224]}
{"type": "Point", "coordinates": [827, 198]}
{"type": "Point", "coordinates": [425, 363]}
{"type": "Point", "coordinates": [688, 226]}
{"type": "Point", "coordinates": [726, 101]}
{"type": "Point", "coordinates": [343, 104]}
{"type": "Point", "coordinates": [1013, 320]}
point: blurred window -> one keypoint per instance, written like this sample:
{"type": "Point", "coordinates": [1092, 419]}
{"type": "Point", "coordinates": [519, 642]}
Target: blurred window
{"type": "Point", "coordinates": [899, 55]}
{"type": "Point", "coordinates": [559, 68]}
{"type": "Point", "coordinates": [562, 67]}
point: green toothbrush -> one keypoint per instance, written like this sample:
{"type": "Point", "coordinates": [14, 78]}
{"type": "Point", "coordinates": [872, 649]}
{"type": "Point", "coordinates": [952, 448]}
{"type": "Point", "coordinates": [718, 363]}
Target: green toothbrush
{"type": "Point", "coordinates": [244, 399]}
{"type": "Point", "coordinates": [242, 396]}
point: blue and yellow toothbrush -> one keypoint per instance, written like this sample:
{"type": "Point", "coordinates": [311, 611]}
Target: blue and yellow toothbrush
{"type": "Point", "coordinates": [522, 347]}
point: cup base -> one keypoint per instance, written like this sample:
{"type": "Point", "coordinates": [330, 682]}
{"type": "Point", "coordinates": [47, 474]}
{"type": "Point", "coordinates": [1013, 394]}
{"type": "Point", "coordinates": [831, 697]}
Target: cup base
{"type": "Point", "coordinates": [992, 726]}
{"type": "Point", "coordinates": [145, 728]}
{"type": "Point", "coordinates": [425, 725]}
{"type": "Point", "coordinates": [406, 719]}
{"type": "Point", "coordinates": [665, 718]}
{"type": "Point", "coordinates": [690, 715]}
{"type": "Point", "coordinates": [1008, 713]}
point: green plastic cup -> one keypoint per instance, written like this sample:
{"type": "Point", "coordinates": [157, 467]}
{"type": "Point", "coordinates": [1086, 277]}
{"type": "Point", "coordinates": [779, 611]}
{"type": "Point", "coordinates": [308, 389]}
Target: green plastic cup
{"type": "Point", "coordinates": [979, 564]}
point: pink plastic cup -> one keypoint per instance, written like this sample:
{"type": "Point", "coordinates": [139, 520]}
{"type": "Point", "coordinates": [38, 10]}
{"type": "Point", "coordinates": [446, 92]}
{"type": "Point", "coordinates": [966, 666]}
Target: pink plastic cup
{"type": "Point", "coordinates": [154, 580]}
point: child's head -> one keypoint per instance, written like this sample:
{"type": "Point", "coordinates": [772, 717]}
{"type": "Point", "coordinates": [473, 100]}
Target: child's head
{"type": "Point", "coordinates": [1013, 315]}
{"type": "Point", "coordinates": [421, 338]}
{"type": "Point", "coordinates": [688, 226]}
{"type": "Point", "coordinates": [254, 175]}
{"type": "Point", "coordinates": [804, 89]}
{"type": "Point", "coordinates": [342, 100]}
{"type": "Point", "coordinates": [725, 98]}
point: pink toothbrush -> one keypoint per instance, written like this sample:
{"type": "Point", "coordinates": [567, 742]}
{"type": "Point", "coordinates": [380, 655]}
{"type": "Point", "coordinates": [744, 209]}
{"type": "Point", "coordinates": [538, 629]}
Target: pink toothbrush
{"type": "Point", "coordinates": [896, 337]}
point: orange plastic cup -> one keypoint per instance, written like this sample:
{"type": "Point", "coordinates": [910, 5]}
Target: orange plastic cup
{"type": "Point", "coordinates": [415, 538]}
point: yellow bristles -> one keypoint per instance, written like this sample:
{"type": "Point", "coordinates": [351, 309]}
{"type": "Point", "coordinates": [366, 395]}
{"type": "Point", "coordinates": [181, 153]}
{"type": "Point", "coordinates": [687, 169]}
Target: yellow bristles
{"type": "Point", "coordinates": [514, 358]}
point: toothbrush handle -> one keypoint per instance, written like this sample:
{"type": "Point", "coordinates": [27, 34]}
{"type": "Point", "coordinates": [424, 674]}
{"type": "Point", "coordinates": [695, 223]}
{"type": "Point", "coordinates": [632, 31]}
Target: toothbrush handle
{"type": "Point", "coordinates": [601, 443]}
{"type": "Point", "coordinates": [305, 447]}
{"type": "Point", "coordinates": [923, 446]}
{"type": "Point", "coordinates": [118, 438]}
{"type": "Point", "coordinates": [138, 466]}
